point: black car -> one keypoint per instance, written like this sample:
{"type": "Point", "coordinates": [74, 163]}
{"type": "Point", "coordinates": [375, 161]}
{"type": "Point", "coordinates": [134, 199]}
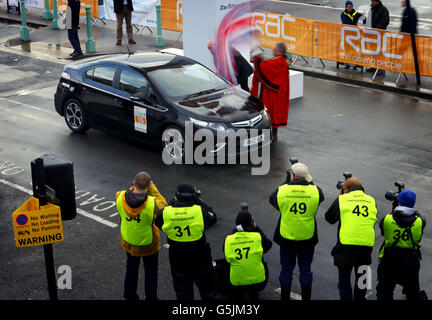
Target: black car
{"type": "Point", "coordinates": [150, 95]}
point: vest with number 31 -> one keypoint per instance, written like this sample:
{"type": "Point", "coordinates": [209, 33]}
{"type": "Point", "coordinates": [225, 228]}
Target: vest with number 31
{"type": "Point", "coordinates": [183, 224]}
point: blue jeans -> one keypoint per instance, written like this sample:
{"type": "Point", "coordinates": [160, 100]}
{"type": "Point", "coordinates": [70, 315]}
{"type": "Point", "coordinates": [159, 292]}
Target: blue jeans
{"type": "Point", "coordinates": [288, 259]}
{"type": "Point", "coordinates": [73, 38]}
{"type": "Point", "coordinates": [150, 273]}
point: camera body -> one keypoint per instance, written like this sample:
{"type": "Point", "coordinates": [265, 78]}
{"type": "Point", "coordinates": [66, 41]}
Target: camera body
{"type": "Point", "coordinates": [293, 161]}
{"type": "Point", "coordinates": [393, 195]}
{"type": "Point", "coordinates": [340, 183]}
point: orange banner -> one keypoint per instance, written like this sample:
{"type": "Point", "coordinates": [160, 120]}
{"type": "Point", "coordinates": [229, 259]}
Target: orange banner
{"type": "Point", "coordinates": [62, 7]}
{"type": "Point", "coordinates": [296, 33]}
{"type": "Point", "coordinates": [172, 15]}
{"type": "Point", "coordinates": [371, 48]}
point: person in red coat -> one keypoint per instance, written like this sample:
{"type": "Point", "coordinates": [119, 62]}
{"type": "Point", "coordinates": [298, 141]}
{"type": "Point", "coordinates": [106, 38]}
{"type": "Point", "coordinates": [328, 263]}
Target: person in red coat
{"type": "Point", "coordinates": [270, 84]}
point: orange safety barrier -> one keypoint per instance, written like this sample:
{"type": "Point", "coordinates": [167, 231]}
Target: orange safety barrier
{"type": "Point", "coordinates": [296, 33]}
{"type": "Point", "coordinates": [62, 7]}
{"type": "Point", "coordinates": [171, 15]}
{"type": "Point", "coordinates": [371, 48]}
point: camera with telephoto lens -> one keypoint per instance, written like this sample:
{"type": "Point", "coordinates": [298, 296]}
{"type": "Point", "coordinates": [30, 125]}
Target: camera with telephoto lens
{"type": "Point", "coordinates": [293, 161]}
{"type": "Point", "coordinates": [340, 183]}
{"type": "Point", "coordinates": [393, 195]}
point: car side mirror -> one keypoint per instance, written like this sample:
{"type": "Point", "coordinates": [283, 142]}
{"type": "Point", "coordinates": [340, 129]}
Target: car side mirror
{"type": "Point", "coordinates": [139, 96]}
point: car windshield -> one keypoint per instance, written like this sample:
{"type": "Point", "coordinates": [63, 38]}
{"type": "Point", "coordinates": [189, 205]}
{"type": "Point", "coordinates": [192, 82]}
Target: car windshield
{"type": "Point", "coordinates": [183, 81]}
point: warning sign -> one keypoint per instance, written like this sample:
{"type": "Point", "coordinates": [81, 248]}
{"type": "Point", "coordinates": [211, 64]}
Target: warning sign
{"type": "Point", "coordinates": [140, 117]}
{"type": "Point", "coordinates": [34, 226]}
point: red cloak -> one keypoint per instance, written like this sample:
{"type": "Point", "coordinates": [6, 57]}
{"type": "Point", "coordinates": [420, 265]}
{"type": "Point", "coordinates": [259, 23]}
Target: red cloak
{"type": "Point", "coordinates": [270, 84]}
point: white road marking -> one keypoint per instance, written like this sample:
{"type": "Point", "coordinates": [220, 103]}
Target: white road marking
{"type": "Point", "coordinates": [27, 106]}
{"type": "Point", "coordinates": [294, 295]}
{"type": "Point", "coordinates": [80, 211]}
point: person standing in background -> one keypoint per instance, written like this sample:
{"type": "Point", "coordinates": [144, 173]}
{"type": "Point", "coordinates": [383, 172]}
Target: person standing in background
{"type": "Point", "coordinates": [72, 25]}
{"type": "Point", "coordinates": [409, 19]}
{"type": "Point", "coordinates": [123, 10]}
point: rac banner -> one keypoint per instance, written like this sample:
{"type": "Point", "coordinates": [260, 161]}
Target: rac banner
{"type": "Point", "coordinates": [297, 33]}
{"type": "Point", "coordinates": [62, 7]}
{"type": "Point", "coordinates": [372, 48]}
{"type": "Point", "coordinates": [172, 15]}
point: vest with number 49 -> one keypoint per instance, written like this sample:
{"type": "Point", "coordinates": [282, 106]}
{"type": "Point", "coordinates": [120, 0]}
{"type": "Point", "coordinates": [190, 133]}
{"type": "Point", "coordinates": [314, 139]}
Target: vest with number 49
{"type": "Point", "coordinates": [400, 236]}
{"type": "Point", "coordinates": [137, 231]}
{"type": "Point", "coordinates": [183, 224]}
{"type": "Point", "coordinates": [244, 251]}
{"type": "Point", "coordinates": [358, 215]}
{"type": "Point", "coordinates": [298, 205]}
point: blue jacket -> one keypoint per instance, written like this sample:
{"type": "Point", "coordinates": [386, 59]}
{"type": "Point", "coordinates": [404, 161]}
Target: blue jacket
{"type": "Point", "coordinates": [350, 18]}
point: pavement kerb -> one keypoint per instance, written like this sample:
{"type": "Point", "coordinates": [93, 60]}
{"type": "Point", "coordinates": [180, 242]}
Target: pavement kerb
{"type": "Point", "coordinates": [323, 74]}
{"type": "Point", "coordinates": [369, 83]}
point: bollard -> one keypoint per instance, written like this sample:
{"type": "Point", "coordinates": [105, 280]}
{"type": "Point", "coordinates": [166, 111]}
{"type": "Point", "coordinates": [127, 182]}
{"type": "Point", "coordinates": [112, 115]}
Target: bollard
{"type": "Point", "coordinates": [55, 16]}
{"type": "Point", "coordinates": [159, 38]}
{"type": "Point", "coordinates": [47, 15]}
{"type": "Point", "coordinates": [90, 43]}
{"type": "Point", "coordinates": [25, 35]}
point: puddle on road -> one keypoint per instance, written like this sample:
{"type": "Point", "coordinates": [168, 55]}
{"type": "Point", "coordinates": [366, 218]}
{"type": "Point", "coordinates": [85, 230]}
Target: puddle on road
{"type": "Point", "coordinates": [56, 50]}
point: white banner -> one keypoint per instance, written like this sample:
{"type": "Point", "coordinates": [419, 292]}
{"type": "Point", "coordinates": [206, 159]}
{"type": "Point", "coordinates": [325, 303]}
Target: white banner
{"type": "Point", "coordinates": [40, 4]}
{"type": "Point", "coordinates": [144, 13]}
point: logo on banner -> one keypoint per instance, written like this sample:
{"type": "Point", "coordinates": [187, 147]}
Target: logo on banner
{"type": "Point", "coordinates": [369, 36]}
{"type": "Point", "coordinates": [274, 26]}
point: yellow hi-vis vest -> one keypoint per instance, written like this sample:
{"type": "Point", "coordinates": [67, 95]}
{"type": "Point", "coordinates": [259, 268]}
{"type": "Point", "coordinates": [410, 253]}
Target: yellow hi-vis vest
{"type": "Point", "coordinates": [357, 219]}
{"type": "Point", "coordinates": [298, 205]}
{"type": "Point", "coordinates": [137, 231]}
{"type": "Point", "coordinates": [244, 251]}
{"type": "Point", "coordinates": [393, 233]}
{"type": "Point", "coordinates": [183, 224]}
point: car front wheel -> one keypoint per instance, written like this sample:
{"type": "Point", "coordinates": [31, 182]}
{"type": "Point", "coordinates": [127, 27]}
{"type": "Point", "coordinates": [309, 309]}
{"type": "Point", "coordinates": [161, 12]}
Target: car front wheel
{"type": "Point", "coordinates": [75, 116]}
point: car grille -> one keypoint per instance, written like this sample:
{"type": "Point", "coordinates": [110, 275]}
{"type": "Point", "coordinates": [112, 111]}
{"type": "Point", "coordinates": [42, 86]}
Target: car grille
{"type": "Point", "coordinates": [248, 123]}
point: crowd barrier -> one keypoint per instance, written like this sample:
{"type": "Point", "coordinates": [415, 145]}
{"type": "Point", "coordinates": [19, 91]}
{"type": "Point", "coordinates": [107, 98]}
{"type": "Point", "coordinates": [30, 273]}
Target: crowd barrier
{"type": "Point", "coordinates": [371, 48]}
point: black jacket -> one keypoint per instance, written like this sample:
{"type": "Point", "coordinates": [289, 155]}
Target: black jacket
{"type": "Point", "coordinates": [380, 17]}
{"type": "Point", "coordinates": [190, 255]}
{"type": "Point", "coordinates": [293, 244]}
{"type": "Point", "coordinates": [75, 6]}
{"type": "Point", "coordinates": [409, 22]}
{"type": "Point", "coordinates": [345, 255]}
{"type": "Point", "coordinates": [118, 6]}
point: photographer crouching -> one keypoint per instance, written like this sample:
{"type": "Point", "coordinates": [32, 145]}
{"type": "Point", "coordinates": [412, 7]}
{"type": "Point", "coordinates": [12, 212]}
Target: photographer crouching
{"type": "Point", "coordinates": [400, 253]}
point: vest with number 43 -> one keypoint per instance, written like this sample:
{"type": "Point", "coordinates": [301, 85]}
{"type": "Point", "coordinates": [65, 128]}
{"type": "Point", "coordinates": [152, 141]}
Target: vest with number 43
{"type": "Point", "coordinates": [298, 205]}
{"type": "Point", "coordinates": [358, 215]}
{"type": "Point", "coordinates": [244, 251]}
{"type": "Point", "coordinates": [137, 231]}
{"type": "Point", "coordinates": [183, 224]}
{"type": "Point", "coordinates": [401, 237]}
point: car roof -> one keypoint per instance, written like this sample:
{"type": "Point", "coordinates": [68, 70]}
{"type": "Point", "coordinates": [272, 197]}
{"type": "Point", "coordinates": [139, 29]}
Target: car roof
{"type": "Point", "coordinates": [141, 60]}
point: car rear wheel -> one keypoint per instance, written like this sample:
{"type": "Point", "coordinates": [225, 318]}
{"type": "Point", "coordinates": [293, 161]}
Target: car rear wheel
{"type": "Point", "coordinates": [173, 142]}
{"type": "Point", "coordinates": [75, 116]}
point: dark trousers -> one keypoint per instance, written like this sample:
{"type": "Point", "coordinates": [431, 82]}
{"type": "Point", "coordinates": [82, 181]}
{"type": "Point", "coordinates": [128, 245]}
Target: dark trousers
{"type": "Point", "coordinates": [204, 278]}
{"type": "Point", "coordinates": [391, 275]}
{"type": "Point", "coordinates": [150, 273]}
{"type": "Point", "coordinates": [344, 285]}
{"type": "Point", "coordinates": [73, 38]}
{"type": "Point", "coordinates": [289, 258]}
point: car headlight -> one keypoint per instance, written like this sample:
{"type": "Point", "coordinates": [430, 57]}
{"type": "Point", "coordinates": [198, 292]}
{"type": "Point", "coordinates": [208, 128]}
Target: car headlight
{"type": "Point", "coordinates": [209, 125]}
{"type": "Point", "coordinates": [266, 116]}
